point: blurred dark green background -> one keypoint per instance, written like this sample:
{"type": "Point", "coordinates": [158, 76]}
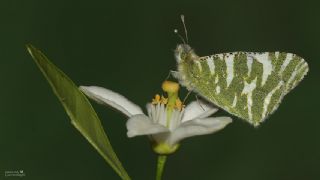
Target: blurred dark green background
{"type": "Point", "coordinates": [127, 46]}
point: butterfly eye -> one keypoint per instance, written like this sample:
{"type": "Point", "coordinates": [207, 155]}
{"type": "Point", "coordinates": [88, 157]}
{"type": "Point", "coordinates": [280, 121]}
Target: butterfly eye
{"type": "Point", "coordinates": [183, 55]}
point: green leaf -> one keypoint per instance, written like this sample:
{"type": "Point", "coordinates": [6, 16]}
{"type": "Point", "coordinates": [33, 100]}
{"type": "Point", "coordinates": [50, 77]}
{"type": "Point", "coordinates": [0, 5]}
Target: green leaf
{"type": "Point", "coordinates": [79, 109]}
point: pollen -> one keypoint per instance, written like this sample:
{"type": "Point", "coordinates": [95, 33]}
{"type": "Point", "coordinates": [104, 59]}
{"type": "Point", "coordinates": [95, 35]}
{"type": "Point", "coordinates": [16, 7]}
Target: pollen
{"type": "Point", "coordinates": [179, 105]}
{"type": "Point", "coordinates": [164, 100]}
{"type": "Point", "coordinates": [159, 99]}
{"type": "Point", "coordinates": [156, 99]}
{"type": "Point", "coordinates": [170, 86]}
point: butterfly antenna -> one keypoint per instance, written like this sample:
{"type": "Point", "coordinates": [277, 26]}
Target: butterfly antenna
{"type": "Point", "coordinates": [184, 26]}
{"type": "Point", "coordinates": [177, 33]}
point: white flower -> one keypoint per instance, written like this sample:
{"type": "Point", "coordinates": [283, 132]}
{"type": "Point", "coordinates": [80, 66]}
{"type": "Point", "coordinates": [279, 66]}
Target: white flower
{"type": "Point", "coordinates": [167, 122]}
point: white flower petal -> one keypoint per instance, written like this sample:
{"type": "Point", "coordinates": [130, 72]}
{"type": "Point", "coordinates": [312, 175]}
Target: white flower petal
{"type": "Point", "coordinates": [141, 125]}
{"type": "Point", "coordinates": [198, 109]}
{"type": "Point", "coordinates": [198, 127]}
{"type": "Point", "coordinates": [162, 114]}
{"type": "Point", "coordinates": [175, 119]}
{"type": "Point", "coordinates": [161, 137]}
{"type": "Point", "coordinates": [149, 109]}
{"type": "Point", "coordinates": [113, 99]}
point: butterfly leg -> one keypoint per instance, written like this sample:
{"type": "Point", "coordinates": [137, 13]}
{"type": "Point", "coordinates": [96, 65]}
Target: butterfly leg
{"type": "Point", "coordinates": [186, 97]}
{"type": "Point", "coordinates": [198, 100]}
{"type": "Point", "coordinates": [175, 74]}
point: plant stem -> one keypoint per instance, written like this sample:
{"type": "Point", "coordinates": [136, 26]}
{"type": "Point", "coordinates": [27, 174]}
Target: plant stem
{"type": "Point", "coordinates": [160, 166]}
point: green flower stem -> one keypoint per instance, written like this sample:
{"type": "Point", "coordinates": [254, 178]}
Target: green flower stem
{"type": "Point", "coordinates": [160, 167]}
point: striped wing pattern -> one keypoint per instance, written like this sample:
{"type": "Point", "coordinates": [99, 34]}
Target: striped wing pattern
{"type": "Point", "coordinates": [248, 85]}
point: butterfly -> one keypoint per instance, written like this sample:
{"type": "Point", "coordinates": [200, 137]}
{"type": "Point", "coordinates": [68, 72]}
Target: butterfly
{"type": "Point", "coordinates": [249, 85]}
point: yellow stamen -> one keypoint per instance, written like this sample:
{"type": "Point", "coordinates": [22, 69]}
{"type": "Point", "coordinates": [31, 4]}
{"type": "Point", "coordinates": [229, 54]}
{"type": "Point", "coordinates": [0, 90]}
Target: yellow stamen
{"type": "Point", "coordinates": [164, 100]}
{"type": "Point", "coordinates": [156, 99]}
{"type": "Point", "coordinates": [179, 104]}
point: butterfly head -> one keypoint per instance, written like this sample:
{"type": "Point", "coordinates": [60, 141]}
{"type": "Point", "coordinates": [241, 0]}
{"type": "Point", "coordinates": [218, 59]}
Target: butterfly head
{"type": "Point", "coordinates": [184, 54]}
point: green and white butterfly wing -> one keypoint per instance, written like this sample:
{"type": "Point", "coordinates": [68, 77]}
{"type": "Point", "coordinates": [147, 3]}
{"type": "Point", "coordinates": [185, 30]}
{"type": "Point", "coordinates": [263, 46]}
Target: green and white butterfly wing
{"type": "Point", "coordinates": [248, 85]}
